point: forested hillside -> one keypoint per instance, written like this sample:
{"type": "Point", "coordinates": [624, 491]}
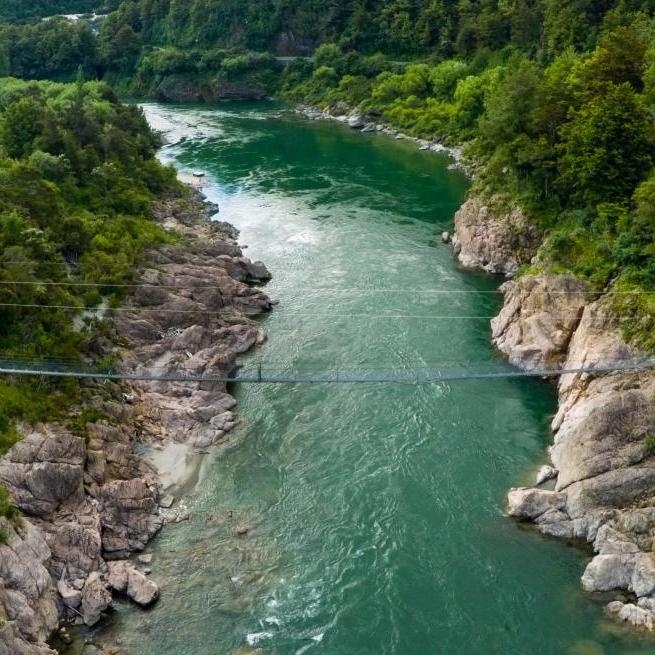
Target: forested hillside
{"type": "Point", "coordinates": [77, 178]}
{"type": "Point", "coordinates": [402, 27]}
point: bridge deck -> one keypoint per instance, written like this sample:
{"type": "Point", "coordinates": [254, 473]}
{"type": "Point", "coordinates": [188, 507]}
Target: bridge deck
{"type": "Point", "coordinates": [259, 374]}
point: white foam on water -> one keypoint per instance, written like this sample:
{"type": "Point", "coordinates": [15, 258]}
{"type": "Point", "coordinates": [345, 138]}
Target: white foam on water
{"type": "Point", "coordinates": [254, 638]}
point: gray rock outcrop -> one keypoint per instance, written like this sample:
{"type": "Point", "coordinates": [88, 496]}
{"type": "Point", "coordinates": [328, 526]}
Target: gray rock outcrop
{"type": "Point", "coordinates": [125, 578]}
{"type": "Point", "coordinates": [141, 589]}
{"type": "Point", "coordinates": [602, 457]}
{"type": "Point", "coordinates": [493, 240]}
{"type": "Point", "coordinates": [539, 316]}
{"type": "Point", "coordinates": [96, 598]}
{"type": "Point", "coordinates": [178, 88]}
{"type": "Point", "coordinates": [605, 484]}
{"type": "Point", "coordinates": [28, 609]}
{"type": "Point", "coordinates": [44, 470]}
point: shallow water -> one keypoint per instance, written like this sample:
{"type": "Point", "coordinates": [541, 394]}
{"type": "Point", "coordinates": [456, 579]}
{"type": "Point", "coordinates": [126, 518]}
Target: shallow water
{"type": "Point", "coordinates": [375, 511]}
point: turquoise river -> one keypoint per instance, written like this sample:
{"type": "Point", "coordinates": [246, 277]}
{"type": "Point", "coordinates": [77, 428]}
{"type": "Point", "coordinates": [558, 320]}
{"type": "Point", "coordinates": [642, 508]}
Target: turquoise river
{"type": "Point", "coordinates": [375, 511]}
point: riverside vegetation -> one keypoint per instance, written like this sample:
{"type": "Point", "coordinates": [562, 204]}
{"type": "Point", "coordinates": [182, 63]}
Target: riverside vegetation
{"type": "Point", "coordinates": [78, 180]}
{"type": "Point", "coordinates": [78, 177]}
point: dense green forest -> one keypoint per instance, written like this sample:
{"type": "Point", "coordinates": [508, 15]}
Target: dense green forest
{"type": "Point", "coordinates": [77, 180]}
{"type": "Point", "coordinates": [443, 28]}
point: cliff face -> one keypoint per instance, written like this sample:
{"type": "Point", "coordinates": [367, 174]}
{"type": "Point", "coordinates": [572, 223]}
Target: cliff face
{"type": "Point", "coordinates": [605, 487]}
{"type": "Point", "coordinates": [89, 504]}
{"type": "Point", "coordinates": [603, 462]}
{"type": "Point", "coordinates": [498, 242]}
{"type": "Point", "coordinates": [538, 319]}
{"type": "Point", "coordinates": [28, 610]}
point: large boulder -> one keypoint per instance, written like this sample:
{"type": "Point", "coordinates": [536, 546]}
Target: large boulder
{"type": "Point", "coordinates": [96, 598]}
{"type": "Point", "coordinates": [44, 470]}
{"type": "Point", "coordinates": [124, 578]}
{"type": "Point", "coordinates": [27, 596]}
{"type": "Point", "coordinates": [539, 316]}
{"type": "Point", "coordinates": [129, 515]}
{"type": "Point", "coordinates": [141, 589]}
{"type": "Point", "coordinates": [609, 572]}
{"type": "Point", "coordinates": [495, 240]}
{"type": "Point", "coordinates": [529, 504]}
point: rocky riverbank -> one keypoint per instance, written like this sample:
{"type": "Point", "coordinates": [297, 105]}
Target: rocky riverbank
{"type": "Point", "coordinates": [599, 485]}
{"type": "Point", "coordinates": [342, 113]}
{"type": "Point", "coordinates": [90, 504]}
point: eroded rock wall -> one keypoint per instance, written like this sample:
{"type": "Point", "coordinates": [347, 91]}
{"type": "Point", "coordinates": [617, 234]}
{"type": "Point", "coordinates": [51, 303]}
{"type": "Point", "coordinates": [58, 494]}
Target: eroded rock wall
{"type": "Point", "coordinates": [599, 484]}
{"type": "Point", "coordinates": [539, 316]}
{"type": "Point", "coordinates": [604, 490]}
{"type": "Point", "coordinates": [494, 240]}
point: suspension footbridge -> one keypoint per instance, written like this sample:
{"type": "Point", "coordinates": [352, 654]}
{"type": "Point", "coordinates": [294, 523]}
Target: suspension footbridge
{"type": "Point", "coordinates": [261, 373]}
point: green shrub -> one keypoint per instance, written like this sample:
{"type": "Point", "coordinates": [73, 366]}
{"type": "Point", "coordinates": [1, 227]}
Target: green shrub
{"type": "Point", "coordinates": [649, 442]}
{"type": "Point", "coordinates": [76, 191]}
{"type": "Point", "coordinates": [7, 509]}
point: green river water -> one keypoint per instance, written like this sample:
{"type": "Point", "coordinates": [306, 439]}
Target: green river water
{"type": "Point", "coordinates": [375, 511]}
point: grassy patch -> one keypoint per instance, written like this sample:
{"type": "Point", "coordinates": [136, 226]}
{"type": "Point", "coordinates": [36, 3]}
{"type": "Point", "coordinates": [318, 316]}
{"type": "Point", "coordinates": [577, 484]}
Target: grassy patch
{"type": "Point", "coordinates": [7, 511]}
{"type": "Point", "coordinates": [649, 442]}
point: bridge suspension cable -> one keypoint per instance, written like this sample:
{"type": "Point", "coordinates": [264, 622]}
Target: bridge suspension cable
{"type": "Point", "coordinates": [260, 374]}
{"type": "Point", "coordinates": [415, 290]}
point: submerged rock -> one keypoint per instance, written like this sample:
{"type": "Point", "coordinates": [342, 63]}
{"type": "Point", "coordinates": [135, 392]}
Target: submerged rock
{"type": "Point", "coordinates": [636, 616]}
{"type": "Point", "coordinates": [141, 589]}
